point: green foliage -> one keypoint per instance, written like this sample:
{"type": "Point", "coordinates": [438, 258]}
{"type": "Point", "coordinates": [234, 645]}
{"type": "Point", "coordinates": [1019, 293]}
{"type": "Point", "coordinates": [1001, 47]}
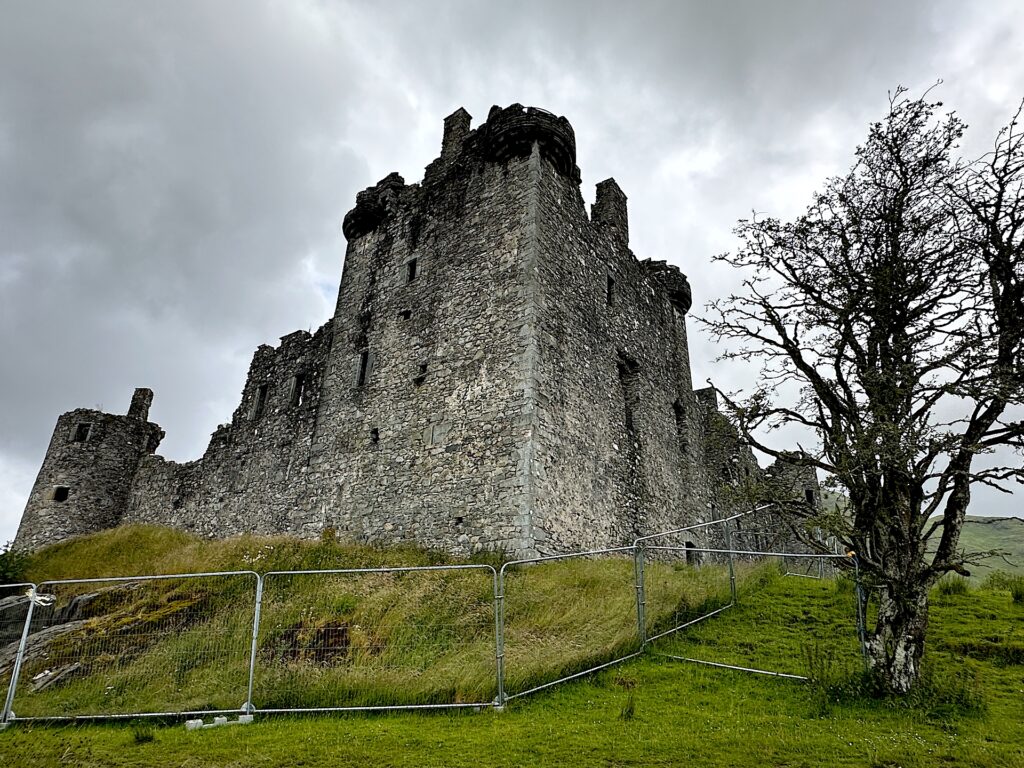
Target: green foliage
{"type": "Point", "coordinates": [1001, 581]}
{"type": "Point", "coordinates": [13, 564]}
{"type": "Point", "coordinates": [953, 585]}
{"type": "Point", "coordinates": [628, 711]}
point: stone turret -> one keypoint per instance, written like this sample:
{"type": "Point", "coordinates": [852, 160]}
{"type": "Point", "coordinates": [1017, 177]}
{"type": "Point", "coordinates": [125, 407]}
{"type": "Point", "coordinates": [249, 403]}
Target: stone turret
{"type": "Point", "coordinates": [87, 473]}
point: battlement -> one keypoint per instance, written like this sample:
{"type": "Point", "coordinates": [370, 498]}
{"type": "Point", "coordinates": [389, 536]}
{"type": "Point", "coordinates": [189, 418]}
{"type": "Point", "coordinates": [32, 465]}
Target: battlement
{"type": "Point", "coordinates": [673, 282]}
{"type": "Point", "coordinates": [512, 132]}
{"type": "Point", "coordinates": [507, 134]}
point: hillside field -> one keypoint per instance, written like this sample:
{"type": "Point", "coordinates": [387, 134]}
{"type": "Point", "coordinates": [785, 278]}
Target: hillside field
{"type": "Point", "coordinates": [650, 711]}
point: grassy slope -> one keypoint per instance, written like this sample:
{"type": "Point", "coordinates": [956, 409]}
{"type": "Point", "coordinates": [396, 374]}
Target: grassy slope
{"type": "Point", "coordinates": [985, 534]}
{"type": "Point", "coordinates": [682, 714]}
{"type": "Point", "coordinates": [365, 640]}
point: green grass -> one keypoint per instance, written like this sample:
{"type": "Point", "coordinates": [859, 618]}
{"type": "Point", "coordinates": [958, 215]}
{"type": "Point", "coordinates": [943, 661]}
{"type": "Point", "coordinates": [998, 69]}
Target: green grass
{"type": "Point", "coordinates": [328, 640]}
{"type": "Point", "coordinates": [654, 711]}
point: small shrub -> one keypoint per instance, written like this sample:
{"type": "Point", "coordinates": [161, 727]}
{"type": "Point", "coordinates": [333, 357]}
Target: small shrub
{"type": "Point", "coordinates": [953, 585]}
{"type": "Point", "coordinates": [142, 734]}
{"type": "Point", "coordinates": [13, 564]}
{"type": "Point", "coordinates": [628, 711]}
{"type": "Point", "coordinates": [626, 682]}
{"type": "Point", "coordinates": [1016, 584]}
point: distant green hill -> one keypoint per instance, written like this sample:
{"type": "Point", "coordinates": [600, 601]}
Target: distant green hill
{"type": "Point", "coordinates": [980, 534]}
{"type": "Point", "coordinates": [983, 534]}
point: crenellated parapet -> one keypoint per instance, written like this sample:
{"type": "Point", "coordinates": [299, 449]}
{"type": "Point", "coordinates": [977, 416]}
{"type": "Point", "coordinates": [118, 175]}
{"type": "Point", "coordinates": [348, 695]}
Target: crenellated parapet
{"type": "Point", "coordinates": [673, 282]}
{"type": "Point", "coordinates": [373, 206]}
{"type": "Point", "coordinates": [508, 134]}
{"type": "Point", "coordinates": [512, 132]}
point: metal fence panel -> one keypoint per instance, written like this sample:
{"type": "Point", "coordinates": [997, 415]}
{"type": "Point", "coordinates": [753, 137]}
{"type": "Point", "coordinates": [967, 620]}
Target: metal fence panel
{"type": "Point", "coordinates": [543, 642]}
{"type": "Point", "coordinates": [377, 638]}
{"type": "Point", "coordinates": [15, 612]}
{"type": "Point", "coordinates": [779, 626]}
{"type": "Point", "coordinates": [148, 645]}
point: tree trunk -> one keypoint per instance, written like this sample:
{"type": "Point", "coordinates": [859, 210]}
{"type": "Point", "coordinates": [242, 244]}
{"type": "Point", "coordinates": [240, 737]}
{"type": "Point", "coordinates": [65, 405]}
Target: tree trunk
{"type": "Point", "coordinates": [897, 645]}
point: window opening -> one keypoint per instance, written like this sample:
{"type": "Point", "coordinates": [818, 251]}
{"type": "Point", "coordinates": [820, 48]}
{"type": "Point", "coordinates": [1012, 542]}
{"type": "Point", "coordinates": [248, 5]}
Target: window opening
{"type": "Point", "coordinates": [405, 314]}
{"type": "Point", "coordinates": [628, 375]}
{"type": "Point", "coordinates": [809, 496]}
{"type": "Point", "coordinates": [260, 402]}
{"type": "Point", "coordinates": [609, 294]}
{"type": "Point", "coordinates": [61, 493]}
{"type": "Point", "coordinates": [421, 376]}
{"type": "Point", "coordinates": [682, 431]}
{"type": "Point", "coordinates": [364, 366]}
{"type": "Point", "coordinates": [297, 392]}
{"type": "Point", "coordinates": [374, 435]}
{"type": "Point", "coordinates": [691, 556]}
{"type": "Point", "coordinates": [410, 270]}
{"type": "Point", "coordinates": [82, 432]}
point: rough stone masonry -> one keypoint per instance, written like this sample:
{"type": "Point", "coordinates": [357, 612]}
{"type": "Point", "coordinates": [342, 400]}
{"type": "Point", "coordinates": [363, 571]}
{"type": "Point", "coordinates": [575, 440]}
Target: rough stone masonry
{"type": "Point", "coordinates": [501, 373]}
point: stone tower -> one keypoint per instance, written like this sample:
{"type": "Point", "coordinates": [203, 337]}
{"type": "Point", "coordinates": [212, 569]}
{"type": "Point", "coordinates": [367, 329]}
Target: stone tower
{"type": "Point", "coordinates": [501, 372]}
{"type": "Point", "coordinates": [86, 477]}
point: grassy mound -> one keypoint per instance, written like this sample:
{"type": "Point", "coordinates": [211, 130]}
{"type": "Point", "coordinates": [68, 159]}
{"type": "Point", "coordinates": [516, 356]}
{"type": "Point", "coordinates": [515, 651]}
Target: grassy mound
{"type": "Point", "coordinates": [365, 639]}
{"type": "Point", "coordinates": [653, 711]}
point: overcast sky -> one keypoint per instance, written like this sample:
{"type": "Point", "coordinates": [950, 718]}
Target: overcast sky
{"type": "Point", "coordinates": [173, 175]}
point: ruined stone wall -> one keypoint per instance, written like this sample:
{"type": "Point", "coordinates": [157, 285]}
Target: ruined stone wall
{"type": "Point", "coordinates": [252, 477]}
{"type": "Point", "coordinates": [614, 448]}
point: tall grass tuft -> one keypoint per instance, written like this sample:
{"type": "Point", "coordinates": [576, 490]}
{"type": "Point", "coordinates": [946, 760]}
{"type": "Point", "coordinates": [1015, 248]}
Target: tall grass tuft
{"type": "Point", "coordinates": [1017, 589]}
{"type": "Point", "coordinates": [953, 585]}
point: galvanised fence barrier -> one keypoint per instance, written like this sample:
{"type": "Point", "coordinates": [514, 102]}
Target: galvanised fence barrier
{"type": "Point", "coordinates": [447, 636]}
{"type": "Point", "coordinates": [334, 640]}
{"type": "Point", "coordinates": [110, 647]}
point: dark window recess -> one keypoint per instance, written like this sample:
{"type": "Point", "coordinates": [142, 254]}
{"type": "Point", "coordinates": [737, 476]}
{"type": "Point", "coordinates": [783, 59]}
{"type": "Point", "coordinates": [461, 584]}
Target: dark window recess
{"type": "Point", "coordinates": [419, 378]}
{"type": "Point", "coordinates": [260, 402]}
{"type": "Point", "coordinates": [682, 430]}
{"type": "Point", "coordinates": [297, 393]}
{"type": "Point", "coordinates": [61, 493]}
{"type": "Point", "coordinates": [459, 520]}
{"type": "Point", "coordinates": [405, 314]}
{"type": "Point", "coordinates": [628, 376]}
{"type": "Point", "coordinates": [692, 558]}
{"type": "Point", "coordinates": [410, 270]}
{"type": "Point", "coordinates": [364, 367]}
{"type": "Point", "coordinates": [374, 435]}
{"type": "Point", "coordinates": [809, 496]}
{"type": "Point", "coordinates": [82, 432]}
{"type": "Point", "coordinates": [609, 293]}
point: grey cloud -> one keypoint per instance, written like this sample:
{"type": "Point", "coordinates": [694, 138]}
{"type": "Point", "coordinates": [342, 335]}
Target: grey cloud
{"type": "Point", "coordinates": [172, 176]}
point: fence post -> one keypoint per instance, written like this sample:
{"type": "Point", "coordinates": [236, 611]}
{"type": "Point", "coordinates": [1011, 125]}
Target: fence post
{"type": "Point", "coordinates": [732, 567]}
{"type": "Point", "coordinates": [861, 594]}
{"type": "Point", "coordinates": [249, 708]}
{"type": "Point", "coordinates": [499, 637]}
{"type": "Point", "coordinates": [641, 596]}
{"type": "Point", "coordinates": [18, 658]}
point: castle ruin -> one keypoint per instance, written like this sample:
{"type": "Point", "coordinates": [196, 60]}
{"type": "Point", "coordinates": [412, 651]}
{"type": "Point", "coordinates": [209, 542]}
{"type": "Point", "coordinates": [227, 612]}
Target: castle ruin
{"type": "Point", "coordinates": [501, 373]}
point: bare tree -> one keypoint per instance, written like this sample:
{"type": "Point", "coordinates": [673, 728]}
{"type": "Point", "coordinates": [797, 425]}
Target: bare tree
{"type": "Point", "coordinates": [895, 305]}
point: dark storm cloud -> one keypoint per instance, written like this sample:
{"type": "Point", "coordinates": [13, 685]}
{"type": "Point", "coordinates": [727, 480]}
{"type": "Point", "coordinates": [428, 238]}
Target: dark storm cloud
{"type": "Point", "coordinates": [173, 175]}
